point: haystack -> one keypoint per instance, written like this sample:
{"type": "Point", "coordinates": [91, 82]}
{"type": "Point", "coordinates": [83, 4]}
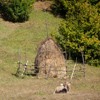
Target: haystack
{"type": "Point", "coordinates": [50, 61]}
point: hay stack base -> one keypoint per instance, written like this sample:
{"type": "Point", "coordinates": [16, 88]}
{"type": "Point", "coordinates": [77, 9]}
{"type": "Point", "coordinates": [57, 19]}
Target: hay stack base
{"type": "Point", "coordinates": [50, 61]}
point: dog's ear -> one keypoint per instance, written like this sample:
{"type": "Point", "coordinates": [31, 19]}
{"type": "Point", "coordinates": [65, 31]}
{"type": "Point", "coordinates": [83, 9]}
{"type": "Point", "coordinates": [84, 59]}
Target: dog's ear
{"type": "Point", "coordinates": [64, 84]}
{"type": "Point", "coordinates": [68, 83]}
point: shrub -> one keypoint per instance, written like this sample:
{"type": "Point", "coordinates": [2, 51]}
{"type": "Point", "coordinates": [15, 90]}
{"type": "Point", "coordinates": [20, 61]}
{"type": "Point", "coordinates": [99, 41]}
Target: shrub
{"type": "Point", "coordinates": [16, 10]}
{"type": "Point", "coordinates": [80, 32]}
{"type": "Point", "coordinates": [60, 7]}
{"type": "Point", "coordinates": [93, 2]}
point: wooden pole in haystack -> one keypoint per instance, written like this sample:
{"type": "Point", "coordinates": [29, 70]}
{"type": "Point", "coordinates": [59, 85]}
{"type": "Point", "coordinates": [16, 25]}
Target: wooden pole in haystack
{"type": "Point", "coordinates": [46, 23]}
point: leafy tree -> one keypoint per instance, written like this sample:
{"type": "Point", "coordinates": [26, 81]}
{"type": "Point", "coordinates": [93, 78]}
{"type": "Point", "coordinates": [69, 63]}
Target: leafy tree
{"type": "Point", "coordinates": [98, 7]}
{"type": "Point", "coordinates": [60, 7]}
{"type": "Point", "coordinates": [80, 31]}
{"type": "Point", "coordinates": [16, 10]}
{"type": "Point", "coordinates": [93, 2]}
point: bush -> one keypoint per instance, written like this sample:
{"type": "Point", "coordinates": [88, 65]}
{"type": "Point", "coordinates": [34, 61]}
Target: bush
{"type": "Point", "coordinates": [80, 32]}
{"type": "Point", "coordinates": [16, 10]}
{"type": "Point", "coordinates": [93, 2]}
{"type": "Point", "coordinates": [60, 7]}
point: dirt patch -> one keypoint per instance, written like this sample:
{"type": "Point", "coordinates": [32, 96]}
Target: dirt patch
{"type": "Point", "coordinates": [42, 5]}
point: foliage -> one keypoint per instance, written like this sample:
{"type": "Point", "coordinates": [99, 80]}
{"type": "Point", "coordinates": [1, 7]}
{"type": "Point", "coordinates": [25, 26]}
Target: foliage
{"type": "Point", "coordinates": [16, 10]}
{"type": "Point", "coordinates": [93, 2]}
{"type": "Point", "coordinates": [80, 31]}
{"type": "Point", "coordinates": [60, 7]}
{"type": "Point", "coordinates": [44, 0]}
{"type": "Point", "coordinates": [98, 7]}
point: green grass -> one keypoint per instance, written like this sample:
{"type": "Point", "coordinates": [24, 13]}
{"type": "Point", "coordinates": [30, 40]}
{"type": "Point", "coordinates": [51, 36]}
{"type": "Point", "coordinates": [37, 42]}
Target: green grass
{"type": "Point", "coordinates": [26, 37]}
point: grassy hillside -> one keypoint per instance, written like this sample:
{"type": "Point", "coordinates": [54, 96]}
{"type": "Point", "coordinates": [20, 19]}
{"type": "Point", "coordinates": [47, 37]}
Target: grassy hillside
{"type": "Point", "coordinates": [26, 37]}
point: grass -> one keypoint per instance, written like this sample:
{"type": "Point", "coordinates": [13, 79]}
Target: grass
{"type": "Point", "coordinates": [26, 37]}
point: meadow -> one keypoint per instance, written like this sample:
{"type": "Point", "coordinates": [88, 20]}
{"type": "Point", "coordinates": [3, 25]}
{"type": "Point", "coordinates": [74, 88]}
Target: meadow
{"type": "Point", "coordinates": [21, 41]}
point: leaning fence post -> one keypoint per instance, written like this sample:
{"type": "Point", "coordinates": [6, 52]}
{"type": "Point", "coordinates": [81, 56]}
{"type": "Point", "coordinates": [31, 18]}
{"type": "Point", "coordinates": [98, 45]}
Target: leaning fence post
{"type": "Point", "coordinates": [19, 62]}
{"type": "Point", "coordinates": [73, 70]}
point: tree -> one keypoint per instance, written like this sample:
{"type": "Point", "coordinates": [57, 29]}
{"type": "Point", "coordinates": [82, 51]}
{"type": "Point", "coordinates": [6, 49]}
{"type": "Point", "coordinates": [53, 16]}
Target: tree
{"type": "Point", "coordinates": [93, 2]}
{"type": "Point", "coordinates": [80, 31]}
{"type": "Point", "coordinates": [16, 10]}
{"type": "Point", "coordinates": [60, 7]}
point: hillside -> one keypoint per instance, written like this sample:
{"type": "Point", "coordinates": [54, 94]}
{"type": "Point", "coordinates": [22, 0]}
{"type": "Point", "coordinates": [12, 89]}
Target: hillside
{"type": "Point", "coordinates": [24, 38]}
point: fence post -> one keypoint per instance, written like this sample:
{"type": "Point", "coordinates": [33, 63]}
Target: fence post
{"type": "Point", "coordinates": [83, 60]}
{"type": "Point", "coordinates": [73, 71]}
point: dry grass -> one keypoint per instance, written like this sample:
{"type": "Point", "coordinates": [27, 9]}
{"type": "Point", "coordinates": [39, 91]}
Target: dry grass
{"type": "Point", "coordinates": [40, 5]}
{"type": "Point", "coordinates": [31, 88]}
{"type": "Point", "coordinates": [50, 60]}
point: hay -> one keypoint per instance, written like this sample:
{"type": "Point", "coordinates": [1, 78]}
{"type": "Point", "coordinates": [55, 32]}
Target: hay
{"type": "Point", "coordinates": [50, 61]}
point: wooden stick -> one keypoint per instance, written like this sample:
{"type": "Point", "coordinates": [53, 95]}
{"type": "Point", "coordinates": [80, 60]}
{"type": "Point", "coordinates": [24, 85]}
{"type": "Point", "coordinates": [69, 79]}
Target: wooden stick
{"type": "Point", "coordinates": [83, 59]}
{"type": "Point", "coordinates": [25, 68]}
{"type": "Point", "coordinates": [19, 62]}
{"type": "Point", "coordinates": [73, 72]}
